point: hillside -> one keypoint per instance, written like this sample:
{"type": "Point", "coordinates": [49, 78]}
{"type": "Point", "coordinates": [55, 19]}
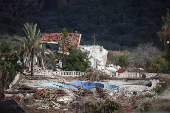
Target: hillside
{"type": "Point", "coordinates": [117, 25]}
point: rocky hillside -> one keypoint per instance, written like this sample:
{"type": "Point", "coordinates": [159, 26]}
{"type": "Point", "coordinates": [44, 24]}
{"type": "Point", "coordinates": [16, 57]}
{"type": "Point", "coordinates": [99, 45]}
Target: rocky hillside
{"type": "Point", "coordinates": [117, 25]}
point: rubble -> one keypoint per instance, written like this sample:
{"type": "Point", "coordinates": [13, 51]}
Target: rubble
{"type": "Point", "coordinates": [33, 96]}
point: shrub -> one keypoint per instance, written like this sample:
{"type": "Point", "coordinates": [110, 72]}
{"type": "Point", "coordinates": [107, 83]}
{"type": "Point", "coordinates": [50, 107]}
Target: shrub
{"type": "Point", "coordinates": [147, 107]}
{"type": "Point", "coordinates": [160, 89]}
{"type": "Point", "coordinates": [89, 70]}
{"type": "Point", "coordinates": [150, 95]}
{"type": "Point", "coordinates": [107, 107]}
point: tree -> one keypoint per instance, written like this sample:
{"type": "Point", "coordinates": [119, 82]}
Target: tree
{"type": "Point", "coordinates": [8, 67]}
{"type": "Point", "coordinates": [65, 41]}
{"type": "Point", "coordinates": [65, 45]}
{"type": "Point", "coordinates": [122, 61]}
{"type": "Point", "coordinates": [33, 45]}
{"type": "Point", "coordinates": [76, 60]}
{"type": "Point", "coordinates": [144, 54]}
{"type": "Point", "coordinates": [160, 64]}
{"type": "Point", "coordinates": [164, 34]}
{"type": "Point", "coordinates": [14, 42]}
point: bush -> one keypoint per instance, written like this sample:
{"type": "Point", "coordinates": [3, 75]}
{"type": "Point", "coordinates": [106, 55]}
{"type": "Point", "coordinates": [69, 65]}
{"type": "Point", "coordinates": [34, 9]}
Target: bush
{"type": "Point", "coordinates": [150, 95]}
{"type": "Point", "coordinates": [89, 70]}
{"type": "Point", "coordinates": [160, 64]}
{"type": "Point", "coordinates": [160, 89]}
{"type": "Point", "coordinates": [122, 61]}
{"type": "Point", "coordinates": [147, 107]}
{"type": "Point", "coordinates": [107, 107]}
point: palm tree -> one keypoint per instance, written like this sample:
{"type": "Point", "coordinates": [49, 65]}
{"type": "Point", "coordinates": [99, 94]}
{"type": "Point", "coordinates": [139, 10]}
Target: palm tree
{"type": "Point", "coordinates": [42, 53]}
{"type": "Point", "coordinates": [33, 45]}
{"type": "Point", "coordinates": [164, 34]}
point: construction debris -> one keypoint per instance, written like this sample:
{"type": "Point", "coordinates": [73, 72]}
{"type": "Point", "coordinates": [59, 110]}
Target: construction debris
{"type": "Point", "coordinates": [50, 99]}
{"type": "Point", "coordinates": [84, 91]}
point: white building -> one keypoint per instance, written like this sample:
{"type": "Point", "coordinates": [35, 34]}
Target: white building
{"type": "Point", "coordinates": [96, 54]}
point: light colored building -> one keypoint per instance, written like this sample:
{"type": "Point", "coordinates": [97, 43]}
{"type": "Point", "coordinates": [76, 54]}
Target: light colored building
{"type": "Point", "coordinates": [96, 54]}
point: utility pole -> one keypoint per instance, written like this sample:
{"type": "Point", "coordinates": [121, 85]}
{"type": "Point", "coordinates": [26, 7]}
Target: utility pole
{"type": "Point", "coordinates": [94, 38]}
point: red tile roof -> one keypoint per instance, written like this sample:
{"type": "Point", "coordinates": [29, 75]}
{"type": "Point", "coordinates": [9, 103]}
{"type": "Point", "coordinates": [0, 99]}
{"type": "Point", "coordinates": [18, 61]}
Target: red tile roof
{"type": "Point", "coordinates": [56, 37]}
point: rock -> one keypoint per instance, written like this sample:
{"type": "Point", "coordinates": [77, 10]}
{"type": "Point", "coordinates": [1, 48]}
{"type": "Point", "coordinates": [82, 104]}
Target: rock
{"type": "Point", "coordinates": [111, 94]}
{"type": "Point", "coordinates": [65, 99]}
{"type": "Point", "coordinates": [149, 84]}
{"type": "Point", "coordinates": [43, 107]}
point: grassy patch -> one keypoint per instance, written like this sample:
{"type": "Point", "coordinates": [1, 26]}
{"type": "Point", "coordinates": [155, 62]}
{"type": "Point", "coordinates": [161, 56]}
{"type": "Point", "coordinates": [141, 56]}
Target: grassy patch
{"type": "Point", "coordinates": [147, 107]}
{"type": "Point", "coordinates": [160, 89]}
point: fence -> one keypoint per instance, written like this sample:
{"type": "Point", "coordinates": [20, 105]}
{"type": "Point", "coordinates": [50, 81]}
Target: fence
{"type": "Point", "coordinates": [70, 73]}
{"type": "Point", "coordinates": [134, 75]}
{"type": "Point", "coordinates": [128, 75]}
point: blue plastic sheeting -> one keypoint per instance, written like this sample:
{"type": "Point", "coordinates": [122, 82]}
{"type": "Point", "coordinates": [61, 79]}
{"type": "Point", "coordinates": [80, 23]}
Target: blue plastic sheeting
{"type": "Point", "coordinates": [81, 84]}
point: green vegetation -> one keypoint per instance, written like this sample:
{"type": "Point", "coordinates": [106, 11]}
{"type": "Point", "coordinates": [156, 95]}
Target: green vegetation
{"type": "Point", "coordinates": [76, 61]}
{"type": "Point", "coordinates": [144, 55]}
{"type": "Point", "coordinates": [164, 34]}
{"type": "Point", "coordinates": [160, 89]}
{"type": "Point", "coordinates": [118, 25]}
{"type": "Point", "coordinates": [89, 70]}
{"type": "Point", "coordinates": [134, 105]}
{"type": "Point", "coordinates": [161, 105]}
{"type": "Point", "coordinates": [160, 64]}
{"type": "Point", "coordinates": [107, 107]}
{"type": "Point", "coordinates": [72, 58]}
{"type": "Point", "coordinates": [147, 107]}
{"type": "Point", "coordinates": [8, 67]}
{"type": "Point", "coordinates": [122, 61]}
{"type": "Point", "coordinates": [33, 46]}
{"type": "Point", "coordinates": [150, 95]}
{"type": "Point", "coordinates": [65, 45]}
{"type": "Point", "coordinates": [163, 64]}
{"type": "Point", "coordinates": [32, 43]}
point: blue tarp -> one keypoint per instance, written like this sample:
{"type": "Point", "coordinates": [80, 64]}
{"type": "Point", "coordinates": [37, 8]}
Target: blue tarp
{"type": "Point", "coordinates": [81, 84]}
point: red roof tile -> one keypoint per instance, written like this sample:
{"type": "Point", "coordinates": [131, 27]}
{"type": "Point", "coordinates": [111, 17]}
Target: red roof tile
{"type": "Point", "coordinates": [56, 37]}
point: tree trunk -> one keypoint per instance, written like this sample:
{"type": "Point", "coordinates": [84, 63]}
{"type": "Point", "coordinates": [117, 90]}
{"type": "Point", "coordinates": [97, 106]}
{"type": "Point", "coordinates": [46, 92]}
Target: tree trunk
{"type": "Point", "coordinates": [42, 62]}
{"type": "Point", "coordinates": [32, 61]}
{"type": "Point", "coordinates": [2, 93]}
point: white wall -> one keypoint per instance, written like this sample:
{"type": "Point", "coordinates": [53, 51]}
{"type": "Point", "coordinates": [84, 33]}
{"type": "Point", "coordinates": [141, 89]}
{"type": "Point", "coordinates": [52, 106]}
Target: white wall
{"type": "Point", "coordinates": [97, 55]}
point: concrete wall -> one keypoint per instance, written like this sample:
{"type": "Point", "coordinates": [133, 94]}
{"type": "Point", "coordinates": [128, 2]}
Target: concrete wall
{"type": "Point", "coordinates": [149, 75]}
{"type": "Point", "coordinates": [134, 75]}
{"type": "Point", "coordinates": [15, 80]}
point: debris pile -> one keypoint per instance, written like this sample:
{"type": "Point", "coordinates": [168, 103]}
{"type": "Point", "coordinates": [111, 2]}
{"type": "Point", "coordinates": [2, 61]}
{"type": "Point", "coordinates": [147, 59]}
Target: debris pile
{"type": "Point", "coordinates": [95, 76]}
{"type": "Point", "coordinates": [102, 93]}
{"type": "Point", "coordinates": [48, 99]}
